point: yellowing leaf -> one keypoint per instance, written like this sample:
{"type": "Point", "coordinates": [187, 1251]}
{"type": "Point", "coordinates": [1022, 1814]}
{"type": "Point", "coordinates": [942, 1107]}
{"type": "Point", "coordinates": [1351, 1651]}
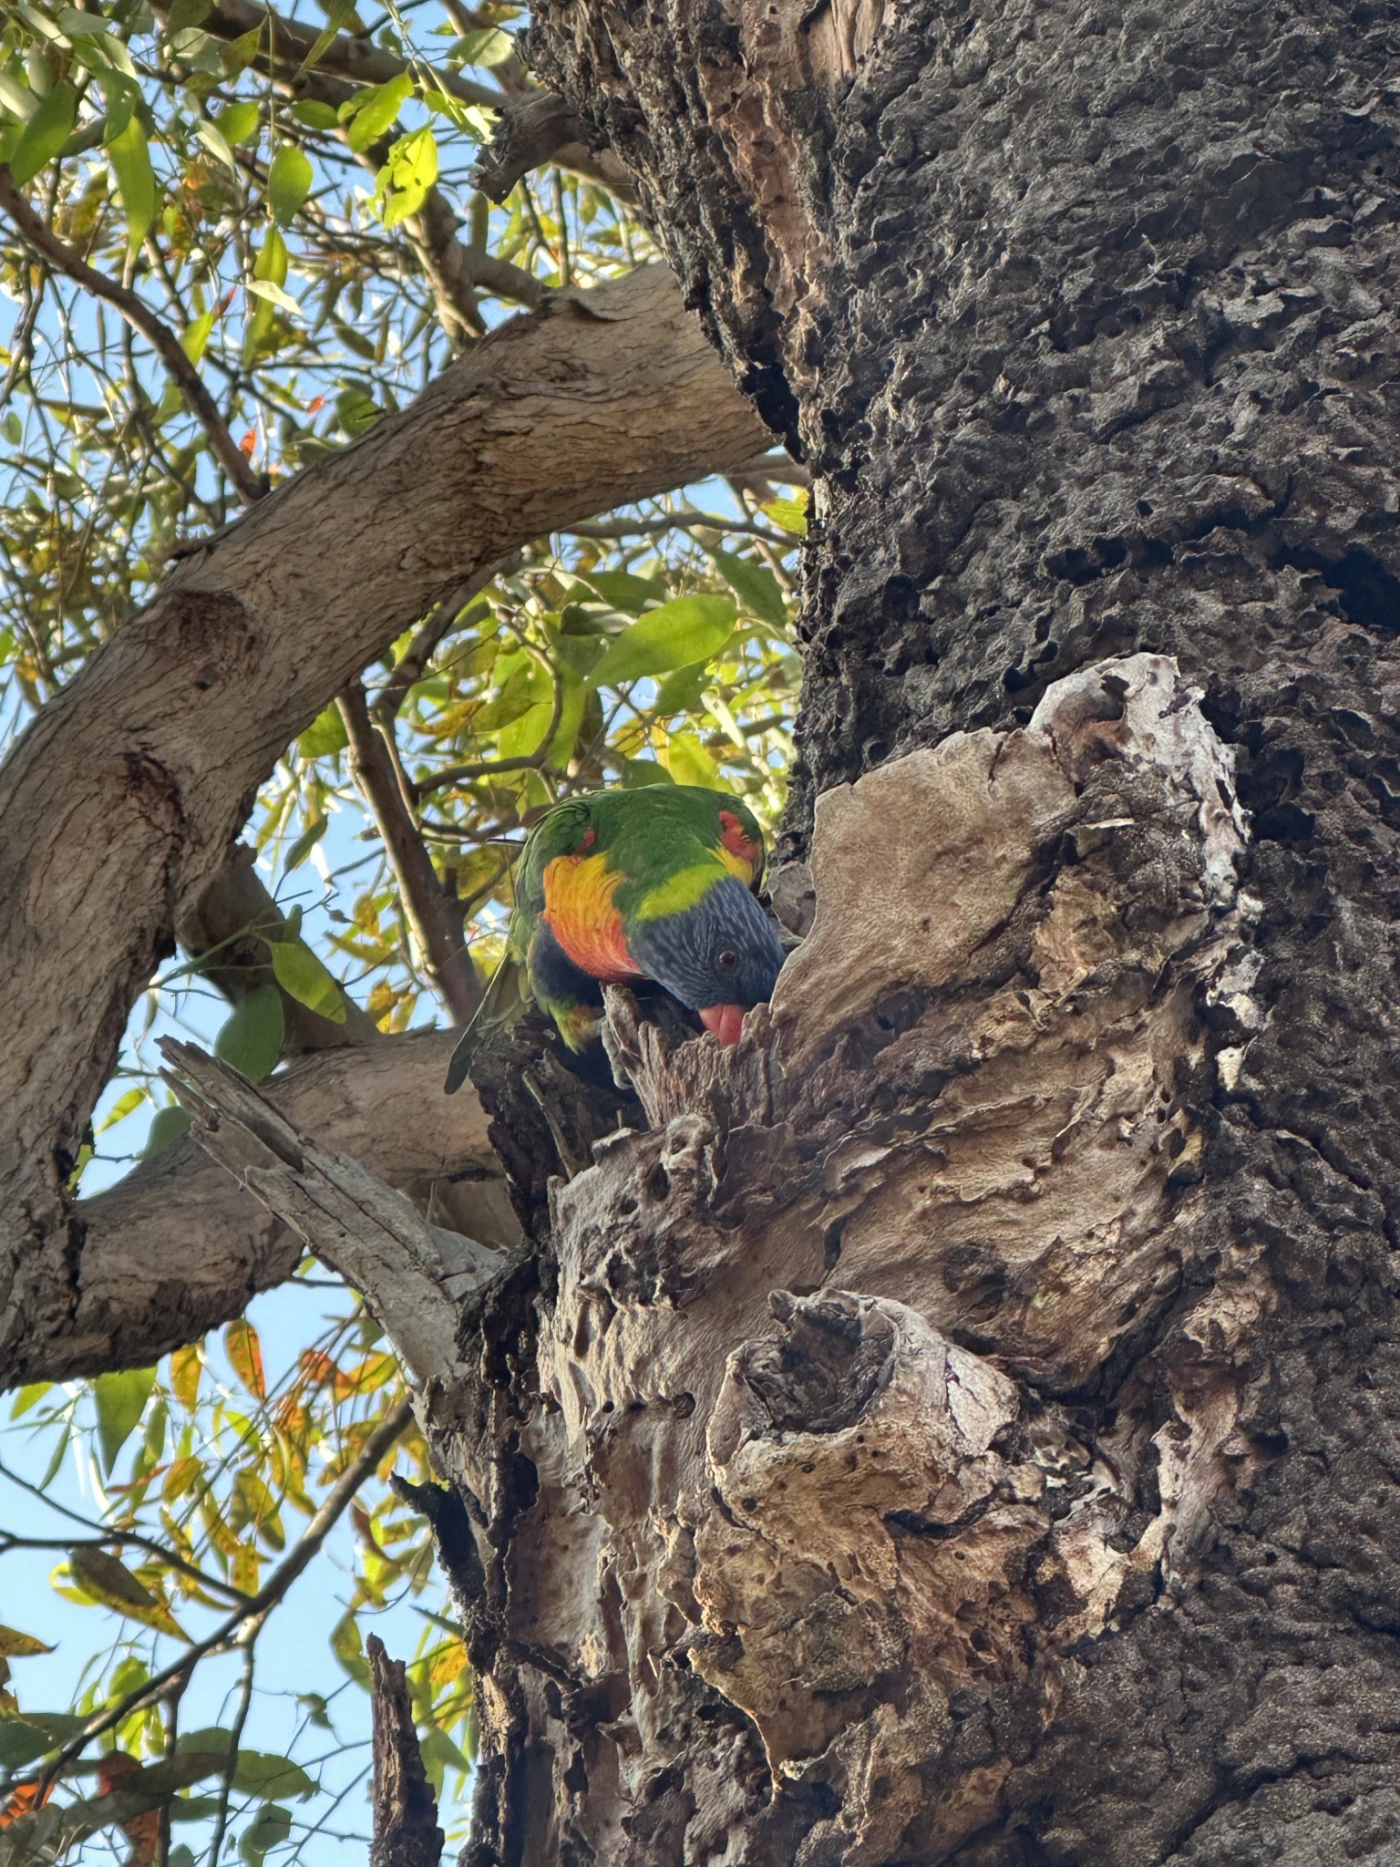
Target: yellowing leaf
{"type": "Point", "coordinates": [16, 1646]}
{"type": "Point", "coordinates": [244, 1352]}
{"type": "Point", "coordinates": [102, 1578]}
{"type": "Point", "coordinates": [185, 1365]}
{"type": "Point", "coordinates": [121, 1108]}
{"type": "Point", "coordinates": [373, 111]}
{"type": "Point", "coordinates": [183, 1475]}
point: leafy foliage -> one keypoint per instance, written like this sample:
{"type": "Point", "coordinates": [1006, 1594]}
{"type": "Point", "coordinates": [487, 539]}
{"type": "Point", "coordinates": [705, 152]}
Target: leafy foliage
{"type": "Point", "coordinates": [280, 200]}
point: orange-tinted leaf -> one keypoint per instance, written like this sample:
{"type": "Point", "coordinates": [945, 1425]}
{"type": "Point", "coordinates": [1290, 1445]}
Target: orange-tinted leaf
{"type": "Point", "coordinates": [114, 1772]}
{"type": "Point", "coordinates": [245, 1356]}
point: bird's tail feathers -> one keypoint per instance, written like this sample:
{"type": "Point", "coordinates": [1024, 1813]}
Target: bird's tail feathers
{"type": "Point", "coordinates": [501, 1004]}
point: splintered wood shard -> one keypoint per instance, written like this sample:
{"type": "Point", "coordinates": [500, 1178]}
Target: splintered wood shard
{"type": "Point", "coordinates": [414, 1275]}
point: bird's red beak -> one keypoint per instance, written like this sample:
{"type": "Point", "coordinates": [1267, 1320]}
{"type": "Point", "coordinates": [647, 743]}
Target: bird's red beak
{"type": "Point", "coordinates": [726, 1021]}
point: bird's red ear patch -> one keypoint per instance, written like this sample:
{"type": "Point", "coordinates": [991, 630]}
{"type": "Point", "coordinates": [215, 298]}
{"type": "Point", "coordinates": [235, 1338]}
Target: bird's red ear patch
{"type": "Point", "coordinates": [736, 841]}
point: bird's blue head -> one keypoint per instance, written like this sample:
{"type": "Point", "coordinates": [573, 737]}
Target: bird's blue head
{"type": "Point", "coordinates": [723, 951]}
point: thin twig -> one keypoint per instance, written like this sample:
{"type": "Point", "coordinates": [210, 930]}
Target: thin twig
{"type": "Point", "coordinates": [235, 1737]}
{"type": "Point", "coordinates": [433, 916]}
{"type": "Point", "coordinates": [140, 317]}
{"type": "Point", "coordinates": [677, 521]}
{"type": "Point", "coordinates": [267, 1597]}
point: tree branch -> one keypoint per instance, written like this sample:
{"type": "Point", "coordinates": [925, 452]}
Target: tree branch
{"type": "Point", "coordinates": [147, 759]}
{"type": "Point", "coordinates": [177, 1248]}
{"type": "Point", "coordinates": [138, 314]}
{"type": "Point", "coordinates": [413, 1275]}
{"type": "Point", "coordinates": [434, 918]}
{"type": "Point", "coordinates": [267, 1597]}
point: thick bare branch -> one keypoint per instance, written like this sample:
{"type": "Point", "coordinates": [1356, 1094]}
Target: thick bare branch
{"type": "Point", "coordinates": [178, 1248]}
{"type": "Point", "coordinates": [412, 1274]}
{"type": "Point", "coordinates": [146, 763]}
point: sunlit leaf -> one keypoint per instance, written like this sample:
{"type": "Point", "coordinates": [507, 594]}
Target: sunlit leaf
{"type": "Point", "coordinates": [244, 1351]}
{"type": "Point", "coordinates": [324, 736]}
{"type": "Point", "coordinates": [123, 1106]}
{"type": "Point", "coordinates": [120, 1400]}
{"type": "Point", "coordinates": [304, 845]}
{"type": "Point", "coordinates": [685, 630]}
{"type": "Point", "coordinates": [185, 1366]}
{"type": "Point", "coordinates": [791, 514]}
{"type": "Point", "coordinates": [689, 763]}
{"type": "Point", "coordinates": [28, 1397]}
{"type": "Point", "coordinates": [288, 183]}
{"type": "Point", "coordinates": [268, 1829]}
{"type": "Point", "coordinates": [303, 977]}
{"type": "Point", "coordinates": [239, 121]}
{"type": "Point", "coordinates": [373, 111]}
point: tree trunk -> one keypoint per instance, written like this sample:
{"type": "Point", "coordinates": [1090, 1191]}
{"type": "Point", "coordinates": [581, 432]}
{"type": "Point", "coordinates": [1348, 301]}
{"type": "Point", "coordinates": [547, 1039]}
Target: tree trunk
{"type": "Point", "coordinates": [956, 1428]}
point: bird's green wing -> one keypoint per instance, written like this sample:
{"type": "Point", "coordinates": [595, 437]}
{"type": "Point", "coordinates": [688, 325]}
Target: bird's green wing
{"type": "Point", "coordinates": [501, 1004]}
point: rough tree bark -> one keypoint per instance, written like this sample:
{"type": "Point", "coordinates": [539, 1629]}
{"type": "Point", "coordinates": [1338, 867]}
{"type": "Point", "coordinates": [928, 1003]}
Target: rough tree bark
{"type": "Point", "coordinates": [957, 1424]}
{"type": "Point", "coordinates": [961, 1426]}
{"type": "Point", "coordinates": [122, 801]}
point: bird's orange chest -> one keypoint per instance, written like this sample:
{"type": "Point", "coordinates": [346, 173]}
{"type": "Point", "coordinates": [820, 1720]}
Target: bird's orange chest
{"type": "Point", "coordinates": [578, 905]}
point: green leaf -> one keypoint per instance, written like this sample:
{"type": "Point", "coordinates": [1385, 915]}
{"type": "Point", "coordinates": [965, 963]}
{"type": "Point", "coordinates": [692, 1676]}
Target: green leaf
{"type": "Point", "coordinates": [14, 428]}
{"type": "Point", "coordinates": [102, 1578]}
{"type": "Point", "coordinates": [121, 1400]}
{"type": "Point", "coordinates": [28, 1397]}
{"type": "Point", "coordinates": [791, 514]}
{"type": "Point", "coordinates": [689, 763]}
{"type": "Point", "coordinates": [681, 691]}
{"type": "Point", "coordinates": [214, 141]}
{"type": "Point", "coordinates": [21, 1742]}
{"type": "Point", "coordinates": [302, 977]}
{"type": "Point", "coordinates": [167, 1125]}
{"type": "Point", "coordinates": [485, 47]}
{"type": "Point", "coordinates": [324, 736]}
{"type": "Point", "coordinates": [264, 288]}
{"type": "Point", "coordinates": [372, 113]}
{"type": "Point", "coordinates": [250, 1039]}
{"type": "Point", "coordinates": [268, 1829]}
{"type": "Point", "coordinates": [349, 1650]}
{"type": "Point", "coordinates": [315, 115]}
{"type": "Point", "coordinates": [637, 772]}
{"type": "Point", "coordinates": [186, 13]}
{"type": "Point", "coordinates": [270, 1778]}
{"type": "Point", "coordinates": [196, 335]}
{"type": "Point", "coordinates": [238, 123]}
{"type": "Point", "coordinates": [304, 845]}
{"type": "Point", "coordinates": [624, 590]}
{"type": "Point", "coordinates": [45, 133]}
{"type": "Point", "coordinates": [271, 262]}
{"type": "Point", "coordinates": [288, 183]}
{"type": "Point", "coordinates": [406, 177]}
{"type": "Point", "coordinates": [755, 586]}
{"type": "Point", "coordinates": [685, 630]}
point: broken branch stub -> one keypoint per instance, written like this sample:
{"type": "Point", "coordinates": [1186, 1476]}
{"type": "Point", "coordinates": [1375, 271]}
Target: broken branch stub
{"type": "Point", "coordinates": [877, 1509]}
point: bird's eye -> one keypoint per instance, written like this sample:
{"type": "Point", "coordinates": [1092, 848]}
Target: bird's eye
{"type": "Point", "coordinates": [727, 960]}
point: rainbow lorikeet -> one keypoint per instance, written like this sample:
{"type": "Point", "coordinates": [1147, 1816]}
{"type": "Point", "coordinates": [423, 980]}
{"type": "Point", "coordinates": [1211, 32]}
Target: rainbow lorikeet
{"type": "Point", "coordinates": [619, 886]}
